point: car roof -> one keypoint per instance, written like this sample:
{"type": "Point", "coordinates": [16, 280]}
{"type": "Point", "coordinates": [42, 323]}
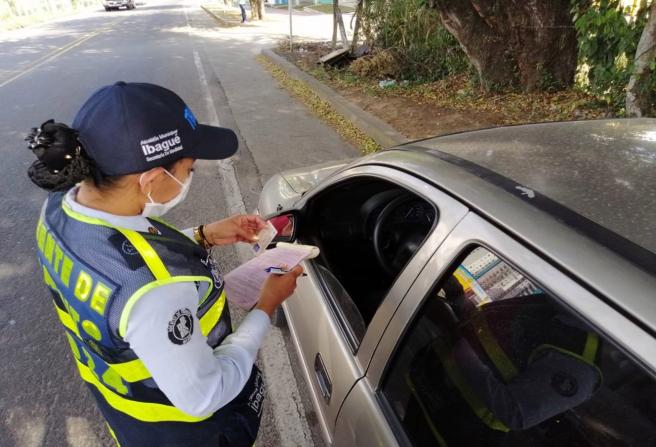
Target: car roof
{"type": "Point", "coordinates": [620, 271]}
{"type": "Point", "coordinates": [603, 170]}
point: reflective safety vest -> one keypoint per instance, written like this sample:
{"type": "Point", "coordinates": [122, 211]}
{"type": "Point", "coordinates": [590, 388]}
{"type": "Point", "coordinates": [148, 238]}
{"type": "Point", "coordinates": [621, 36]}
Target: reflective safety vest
{"type": "Point", "coordinates": [97, 273]}
{"type": "Point", "coordinates": [503, 365]}
{"type": "Point", "coordinates": [503, 350]}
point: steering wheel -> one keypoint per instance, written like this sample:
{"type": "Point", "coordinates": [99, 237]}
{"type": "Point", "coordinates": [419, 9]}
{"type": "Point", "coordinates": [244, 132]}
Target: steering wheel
{"type": "Point", "coordinates": [392, 246]}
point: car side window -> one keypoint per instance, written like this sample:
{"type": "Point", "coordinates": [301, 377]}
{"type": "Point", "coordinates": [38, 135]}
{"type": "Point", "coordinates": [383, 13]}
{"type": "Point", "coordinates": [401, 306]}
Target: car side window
{"type": "Point", "coordinates": [493, 359]}
{"type": "Point", "coordinates": [367, 230]}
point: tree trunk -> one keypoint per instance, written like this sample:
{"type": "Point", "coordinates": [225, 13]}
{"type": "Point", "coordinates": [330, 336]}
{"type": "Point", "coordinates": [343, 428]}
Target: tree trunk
{"type": "Point", "coordinates": [12, 7]}
{"type": "Point", "coordinates": [342, 29]}
{"type": "Point", "coordinates": [638, 96]}
{"type": "Point", "coordinates": [526, 43]}
{"type": "Point", "coordinates": [335, 8]}
{"type": "Point", "coordinates": [257, 9]}
{"type": "Point", "coordinates": [356, 27]}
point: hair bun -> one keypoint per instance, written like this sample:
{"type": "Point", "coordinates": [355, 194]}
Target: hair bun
{"type": "Point", "coordinates": [54, 144]}
{"type": "Point", "coordinates": [61, 162]}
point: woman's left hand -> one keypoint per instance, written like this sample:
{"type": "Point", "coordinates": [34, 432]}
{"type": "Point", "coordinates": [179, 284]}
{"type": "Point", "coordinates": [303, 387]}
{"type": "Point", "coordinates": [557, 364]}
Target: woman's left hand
{"type": "Point", "coordinates": [239, 228]}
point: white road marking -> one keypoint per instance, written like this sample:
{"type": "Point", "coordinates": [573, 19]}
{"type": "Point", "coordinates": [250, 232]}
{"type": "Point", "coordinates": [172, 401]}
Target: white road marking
{"type": "Point", "coordinates": [282, 389]}
{"type": "Point", "coordinates": [56, 53]}
{"type": "Point", "coordinates": [27, 430]}
{"type": "Point", "coordinates": [79, 433]}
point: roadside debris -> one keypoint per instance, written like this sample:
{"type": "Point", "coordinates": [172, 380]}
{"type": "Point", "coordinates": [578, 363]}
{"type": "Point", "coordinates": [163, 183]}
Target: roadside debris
{"type": "Point", "coordinates": [387, 83]}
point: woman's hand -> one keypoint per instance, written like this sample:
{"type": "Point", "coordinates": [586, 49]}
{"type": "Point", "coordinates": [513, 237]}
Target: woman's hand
{"type": "Point", "coordinates": [277, 288]}
{"type": "Point", "coordinates": [239, 228]}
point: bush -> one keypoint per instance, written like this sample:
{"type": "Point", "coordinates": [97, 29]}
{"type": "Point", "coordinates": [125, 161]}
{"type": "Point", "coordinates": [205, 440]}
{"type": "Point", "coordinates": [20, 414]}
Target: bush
{"type": "Point", "coordinates": [381, 64]}
{"type": "Point", "coordinates": [418, 47]}
{"type": "Point", "coordinates": [608, 36]}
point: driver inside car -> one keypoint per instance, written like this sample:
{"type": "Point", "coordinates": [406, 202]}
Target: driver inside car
{"type": "Point", "coordinates": [505, 364]}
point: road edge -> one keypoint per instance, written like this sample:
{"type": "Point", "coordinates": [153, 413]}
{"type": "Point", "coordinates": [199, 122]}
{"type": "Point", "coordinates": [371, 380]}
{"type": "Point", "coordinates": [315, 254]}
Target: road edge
{"type": "Point", "coordinates": [282, 388]}
{"type": "Point", "coordinates": [218, 18]}
{"type": "Point", "coordinates": [381, 132]}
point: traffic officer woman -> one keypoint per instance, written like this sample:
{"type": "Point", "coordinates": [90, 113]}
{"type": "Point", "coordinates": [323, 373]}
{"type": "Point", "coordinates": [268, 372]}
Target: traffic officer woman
{"type": "Point", "coordinates": [142, 303]}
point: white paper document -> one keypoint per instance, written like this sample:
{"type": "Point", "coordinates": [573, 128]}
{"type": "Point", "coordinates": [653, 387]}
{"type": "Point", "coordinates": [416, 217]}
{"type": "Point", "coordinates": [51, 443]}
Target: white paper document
{"type": "Point", "coordinates": [243, 284]}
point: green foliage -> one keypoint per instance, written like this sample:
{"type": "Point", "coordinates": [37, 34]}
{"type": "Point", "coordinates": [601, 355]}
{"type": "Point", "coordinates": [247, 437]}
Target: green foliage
{"type": "Point", "coordinates": [424, 50]}
{"type": "Point", "coordinates": [608, 37]}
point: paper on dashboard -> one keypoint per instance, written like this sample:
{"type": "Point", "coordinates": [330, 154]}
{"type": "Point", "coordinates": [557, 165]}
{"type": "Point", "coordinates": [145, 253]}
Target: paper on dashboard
{"type": "Point", "coordinates": [243, 284]}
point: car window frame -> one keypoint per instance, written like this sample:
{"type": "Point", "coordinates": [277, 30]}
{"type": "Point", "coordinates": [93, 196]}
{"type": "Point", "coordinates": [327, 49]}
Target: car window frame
{"type": "Point", "coordinates": [473, 231]}
{"type": "Point", "coordinates": [450, 212]}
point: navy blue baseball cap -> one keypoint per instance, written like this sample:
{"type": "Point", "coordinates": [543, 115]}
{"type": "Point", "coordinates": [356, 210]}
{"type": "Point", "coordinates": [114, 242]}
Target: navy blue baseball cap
{"type": "Point", "coordinates": [131, 127]}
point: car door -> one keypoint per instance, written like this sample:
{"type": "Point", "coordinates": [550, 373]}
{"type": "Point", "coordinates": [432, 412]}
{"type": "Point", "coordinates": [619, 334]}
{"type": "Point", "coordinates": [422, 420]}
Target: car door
{"type": "Point", "coordinates": [320, 317]}
{"type": "Point", "coordinates": [494, 346]}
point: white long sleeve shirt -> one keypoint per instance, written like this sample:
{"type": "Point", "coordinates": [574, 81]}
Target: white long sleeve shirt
{"type": "Point", "coordinates": [195, 378]}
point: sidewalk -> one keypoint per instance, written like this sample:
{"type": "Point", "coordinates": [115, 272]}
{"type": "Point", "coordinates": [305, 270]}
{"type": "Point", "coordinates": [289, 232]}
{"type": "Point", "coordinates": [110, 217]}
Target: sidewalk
{"type": "Point", "coordinates": [276, 133]}
{"type": "Point", "coordinates": [306, 24]}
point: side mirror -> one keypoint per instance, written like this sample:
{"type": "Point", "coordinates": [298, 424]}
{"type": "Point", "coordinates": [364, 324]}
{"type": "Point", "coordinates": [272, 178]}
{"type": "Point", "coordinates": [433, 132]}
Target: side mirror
{"type": "Point", "coordinates": [286, 225]}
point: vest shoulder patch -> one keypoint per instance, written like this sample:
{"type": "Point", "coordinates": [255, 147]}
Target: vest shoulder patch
{"type": "Point", "coordinates": [130, 254]}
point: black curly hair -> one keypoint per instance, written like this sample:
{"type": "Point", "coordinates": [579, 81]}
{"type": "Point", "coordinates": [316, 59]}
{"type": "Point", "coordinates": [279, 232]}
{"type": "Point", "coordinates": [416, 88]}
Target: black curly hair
{"type": "Point", "coordinates": [61, 160]}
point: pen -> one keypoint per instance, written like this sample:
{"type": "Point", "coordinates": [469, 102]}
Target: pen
{"type": "Point", "coordinates": [279, 271]}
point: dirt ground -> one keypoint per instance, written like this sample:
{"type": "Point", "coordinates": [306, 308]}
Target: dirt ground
{"type": "Point", "coordinates": [418, 120]}
{"type": "Point", "coordinates": [446, 106]}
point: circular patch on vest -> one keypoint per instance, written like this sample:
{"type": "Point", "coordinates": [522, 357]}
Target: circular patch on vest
{"type": "Point", "coordinates": [564, 384]}
{"type": "Point", "coordinates": [128, 248]}
{"type": "Point", "coordinates": [181, 327]}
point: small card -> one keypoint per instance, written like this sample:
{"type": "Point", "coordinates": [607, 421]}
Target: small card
{"type": "Point", "coordinates": [265, 236]}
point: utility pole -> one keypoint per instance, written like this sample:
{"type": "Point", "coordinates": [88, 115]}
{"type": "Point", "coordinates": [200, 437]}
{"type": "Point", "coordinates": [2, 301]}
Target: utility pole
{"type": "Point", "coordinates": [291, 43]}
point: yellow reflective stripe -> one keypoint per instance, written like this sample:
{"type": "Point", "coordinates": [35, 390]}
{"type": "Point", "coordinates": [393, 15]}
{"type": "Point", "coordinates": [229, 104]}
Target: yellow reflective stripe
{"type": "Point", "coordinates": [591, 346]}
{"type": "Point", "coordinates": [143, 411]}
{"type": "Point", "coordinates": [491, 346]}
{"type": "Point", "coordinates": [172, 227]}
{"type": "Point", "coordinates": [111, 432]}
{"type": "Point", "coordinates": [66, 320]}
{"type": "Point", "coordinates": [149, 255]}
{"type": "Point", "coordinates": [82, 218]}
{"type": "Point", "coordinates": [136, 296]}
{"type": "Point", "coordinates": [477, 406]}
{"type": "Point", "coordinates": [132, 371]}
{"type": "Point", "coordinates": [429, 420]}
{"type": "Point", "coordinates": [211, 317]}
{"type": "Point", "coordinates": [73, 345]}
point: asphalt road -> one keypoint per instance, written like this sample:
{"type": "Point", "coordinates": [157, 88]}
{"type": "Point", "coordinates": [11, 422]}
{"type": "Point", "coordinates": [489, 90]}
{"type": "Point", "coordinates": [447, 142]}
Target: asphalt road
{"type": "Point", "coordinates": [47, 71]}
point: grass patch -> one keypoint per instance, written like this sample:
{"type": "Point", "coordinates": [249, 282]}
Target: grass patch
{"type": "Point", "coordinates": [328, 9]}
{"type": "Point", "coordinates": [459, 93]}
{"type": "Point", "coordinates": [297, 7]}
{"type": "Point", "coordinates": [321, 108]}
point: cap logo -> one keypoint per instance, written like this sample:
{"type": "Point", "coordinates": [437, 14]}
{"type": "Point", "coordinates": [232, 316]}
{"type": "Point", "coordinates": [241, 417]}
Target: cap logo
{"type": "Point", "coordinates": [189, 116]}
{"type": "Point", "coordinates": [161, 145]}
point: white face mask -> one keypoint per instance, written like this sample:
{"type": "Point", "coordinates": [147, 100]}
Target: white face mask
{"type": "Point", "coordinates": [155, 209]}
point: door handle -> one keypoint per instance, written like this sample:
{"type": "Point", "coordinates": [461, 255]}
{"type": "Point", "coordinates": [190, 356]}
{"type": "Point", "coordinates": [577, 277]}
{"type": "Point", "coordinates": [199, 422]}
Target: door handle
{"type": "Point", "coordinates": [325, 385]}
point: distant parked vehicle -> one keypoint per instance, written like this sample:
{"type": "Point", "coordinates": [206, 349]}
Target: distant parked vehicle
{"type": "Point", "coordinates": [116, 4]}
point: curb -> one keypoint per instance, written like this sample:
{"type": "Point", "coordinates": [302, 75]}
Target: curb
{"type": "Point", "coordinates": [218, 18]}
{"type": "Point", "coordinates": [381, 132]}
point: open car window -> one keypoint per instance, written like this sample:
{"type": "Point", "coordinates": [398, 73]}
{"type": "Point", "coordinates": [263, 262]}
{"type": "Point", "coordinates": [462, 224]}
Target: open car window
{"type": "Point", "coordinates": [494, 359]}
{"type": "Point", "coordinates": [367, 229]}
